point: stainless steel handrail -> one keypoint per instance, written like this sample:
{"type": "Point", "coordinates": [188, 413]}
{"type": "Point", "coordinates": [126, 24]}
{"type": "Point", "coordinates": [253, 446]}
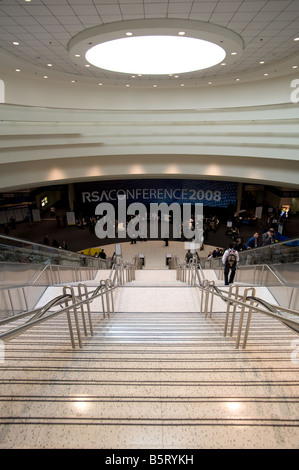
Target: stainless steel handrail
{"type": "Point", "coordinates": [18, 330]}
{"type": "Point", "coordinates": [214, 263]}
{"type": "Point", "coordinates": [105, 289]}
{"type": "Point", "coordinates": [244, 302]}
{"type": "Point", "coordinates": [51, 252]}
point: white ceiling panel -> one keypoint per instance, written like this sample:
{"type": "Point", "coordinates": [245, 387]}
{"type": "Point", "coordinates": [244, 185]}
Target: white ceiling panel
{"type": "Point", "coordinates": [267, 27]}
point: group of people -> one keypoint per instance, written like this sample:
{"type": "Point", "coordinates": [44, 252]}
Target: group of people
{"type": "Point", "coordinates": [55, 243]}
{"type": "Point", "coordinates": [231, 258]}
{"type": "Point", "coordinates": [268, 238]}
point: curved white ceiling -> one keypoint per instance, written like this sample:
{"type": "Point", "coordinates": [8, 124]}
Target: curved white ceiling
{"type": "Point", "coordinates": [35, 37]}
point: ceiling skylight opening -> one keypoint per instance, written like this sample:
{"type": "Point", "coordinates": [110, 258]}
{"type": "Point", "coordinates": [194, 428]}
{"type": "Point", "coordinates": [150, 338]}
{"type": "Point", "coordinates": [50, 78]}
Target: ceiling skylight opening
{"type": "Point", "coordinates": [155, 55]}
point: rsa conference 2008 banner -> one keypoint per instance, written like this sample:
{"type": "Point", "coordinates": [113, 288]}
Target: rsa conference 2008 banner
{"type": "Point", "coordinates": [148, 191]}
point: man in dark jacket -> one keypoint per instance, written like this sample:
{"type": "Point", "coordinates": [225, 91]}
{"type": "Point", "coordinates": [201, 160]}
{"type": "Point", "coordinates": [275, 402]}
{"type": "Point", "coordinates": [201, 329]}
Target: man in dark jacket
{"type": "Point", "coordinates": [268, 237]}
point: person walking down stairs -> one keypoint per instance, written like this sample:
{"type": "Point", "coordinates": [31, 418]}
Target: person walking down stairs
{"type": "Point", "coordinates": [230, 259]}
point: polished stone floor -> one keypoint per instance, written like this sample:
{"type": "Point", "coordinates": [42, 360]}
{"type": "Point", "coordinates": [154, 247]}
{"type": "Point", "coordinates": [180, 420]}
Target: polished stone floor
{"type": "Point", "coordinates": [157, 374]}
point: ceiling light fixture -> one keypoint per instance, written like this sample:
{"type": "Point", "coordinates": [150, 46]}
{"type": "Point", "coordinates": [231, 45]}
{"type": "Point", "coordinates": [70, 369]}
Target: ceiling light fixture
{"type": "Point", "coordinates": [155, 55]}
{"type": "Point", "coordinates": [155, 46]}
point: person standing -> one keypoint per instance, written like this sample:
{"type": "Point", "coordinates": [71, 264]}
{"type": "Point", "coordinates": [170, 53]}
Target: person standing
{"type": "Point", "coordinates": [230, 259]}
{"type": "Point", "coordinates": [268, 237]}
{"type": "Point", "coordinates": [253, 242]}
{"type": "Point", "coordinates": [188, 256]}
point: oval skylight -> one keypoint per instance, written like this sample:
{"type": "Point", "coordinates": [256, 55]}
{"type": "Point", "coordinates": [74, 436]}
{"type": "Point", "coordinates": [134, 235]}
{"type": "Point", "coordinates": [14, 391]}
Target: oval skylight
{"type": "Point", "coordinates": [155, 55]}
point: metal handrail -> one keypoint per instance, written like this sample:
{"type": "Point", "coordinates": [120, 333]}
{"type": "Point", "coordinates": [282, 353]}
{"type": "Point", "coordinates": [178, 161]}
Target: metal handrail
{"type": "Point", "coordinates": [246, 301]}
{"type": "Point", "coordinates": [214, 263]}
{"type": "Point", "coordinates": [105, 288]}
{"type": "Point", "coordinates": [78, 303]}
{"type": "Point", "coordinates": [51, 252]}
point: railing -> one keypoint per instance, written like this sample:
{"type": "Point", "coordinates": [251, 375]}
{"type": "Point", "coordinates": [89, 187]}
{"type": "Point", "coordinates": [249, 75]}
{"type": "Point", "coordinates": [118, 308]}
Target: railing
{"type": "Point", "coordinates": [191, 274]}
{"type": "Point", "coordinates": [73, 302]}
{"type": "Point", "coordinates": [122, 272]}
{"type": "Point", "coordinates": [22, 251]}
{"type": "Point", "coordinates": [281, 252]}
{"type": "Point", "coordinates": [16, 298]}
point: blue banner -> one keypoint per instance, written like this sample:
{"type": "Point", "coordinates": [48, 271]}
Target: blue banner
{"type": "Point", "coordinates": [147, 191]}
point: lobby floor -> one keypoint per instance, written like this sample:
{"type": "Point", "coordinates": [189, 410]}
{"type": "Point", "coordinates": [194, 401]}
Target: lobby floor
{"type": "Point", "coordinates": [80, 239]}
{"type": "Point", "coordinates": [157, 374]}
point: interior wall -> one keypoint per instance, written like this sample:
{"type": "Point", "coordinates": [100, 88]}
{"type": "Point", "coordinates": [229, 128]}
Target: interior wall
{"type": "Point", "coordinates": [89, 95]}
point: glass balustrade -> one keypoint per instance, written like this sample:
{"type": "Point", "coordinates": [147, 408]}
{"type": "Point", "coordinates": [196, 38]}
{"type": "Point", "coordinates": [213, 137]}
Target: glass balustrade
{"type": "Point", "coordinates": [14, 250]}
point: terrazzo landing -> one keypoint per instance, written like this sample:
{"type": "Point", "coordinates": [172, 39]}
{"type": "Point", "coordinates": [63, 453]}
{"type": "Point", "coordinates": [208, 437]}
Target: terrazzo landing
{"type": "Point", "coordinates": [149, 379]}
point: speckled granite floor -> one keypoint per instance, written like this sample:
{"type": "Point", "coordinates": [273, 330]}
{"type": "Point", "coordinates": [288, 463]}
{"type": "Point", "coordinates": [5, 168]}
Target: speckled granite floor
{"type": "Point", "coordinates": [157, 374]}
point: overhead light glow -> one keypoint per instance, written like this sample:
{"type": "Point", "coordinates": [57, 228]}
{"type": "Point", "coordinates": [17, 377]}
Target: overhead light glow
{"type": "Point", "coordinates": [155, 55]}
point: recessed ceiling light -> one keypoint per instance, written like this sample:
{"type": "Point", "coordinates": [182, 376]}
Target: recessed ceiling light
{"type": "Point", "coordinates": [16, 43]}
{"type": "Point", "coordinates": [295, 67]}
{"type": "Point", "coordinates": [155, 55]}
{"type": "Point", "coordinates": [46, 76]}
{"type": "Point", "coordinates": [87, 65]}
{"type": "Point", "coordinates": [233, 53]}
{"type": "Point", "coordinates": [237, 79]}
{"type": "Point", "coordinates": [100, 84]}
{"type": "Point", "coordinates": [18, 70]}
{"type": "Point", "coordinates": [163, 48]}
{"type": "Point", "coordinates": [50, 65]}
{"type": "Point", "coordinates": [223, 63]}
{"type": "Point", "coordinates": [155, 86]}
{"type": "Point", "coordinates": [210, 83]}
{"type": "Point", "coordinates": [74, 81]}
{"type": "Point", "coordinates": [296, 39]}
{"type": "Point", "coordinates": [182, 84]}
{"type": "Point", "coordinates": [266, 74]}
{"type": "Point", "coordinates": [262, 62]}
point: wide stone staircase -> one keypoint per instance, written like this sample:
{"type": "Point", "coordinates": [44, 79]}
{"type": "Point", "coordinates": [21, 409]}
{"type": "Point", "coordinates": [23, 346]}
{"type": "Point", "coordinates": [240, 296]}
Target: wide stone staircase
{"type": "Point", "coordinates": [156, 374]}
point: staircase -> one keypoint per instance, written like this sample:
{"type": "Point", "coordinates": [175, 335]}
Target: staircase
{"type": "Point", "coordinates": [157, 374]}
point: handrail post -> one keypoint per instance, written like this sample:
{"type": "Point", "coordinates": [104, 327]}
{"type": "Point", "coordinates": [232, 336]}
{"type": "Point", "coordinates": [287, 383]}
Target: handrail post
{"type": "Point", "coordinates": [108, 289]}
{"type": "Point", "coordinates": [65, 288]}
{"type": "Point", "coordinates": [69, 321]}
{"type": "Point", "coordinates": [107, 298]}
{"type": "Point", "coordinates": [102, 287]}
{"type": "Point", "coordinates": [211, 288]}
{"type": "Point", "coordinates": [230, 294]}
{"type": "Point", "coordinates": [203, 294]}
{"type": "Point", "coordinates": [82, 308]}
{"type": "Point", "coordinates": [87, 306]}
{"type": "Point", "coordinates": [25, 298]}
{"type": "Point", "coordinates": [242, 315]}
{"type": "Point", "coordinates": [248, 324]}
{"type": "Point", "coordinates": [10, 300]}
